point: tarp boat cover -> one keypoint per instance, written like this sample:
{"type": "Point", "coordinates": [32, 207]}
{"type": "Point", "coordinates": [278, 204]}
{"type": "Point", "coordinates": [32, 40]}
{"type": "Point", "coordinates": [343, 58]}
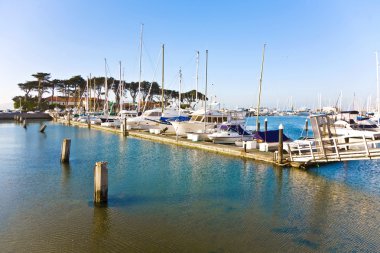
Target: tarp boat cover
{"type": "Point", "coordinates": [270, 136]}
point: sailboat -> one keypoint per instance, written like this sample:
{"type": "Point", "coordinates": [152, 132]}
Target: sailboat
{"type": "Point", "coordinates": [158, 118]}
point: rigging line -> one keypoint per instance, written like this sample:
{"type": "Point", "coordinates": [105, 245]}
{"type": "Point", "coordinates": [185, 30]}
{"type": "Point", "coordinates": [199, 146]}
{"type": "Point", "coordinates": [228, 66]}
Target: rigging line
{"type": "Point", "coordinates": [149, 57]}
{"type": "Point", "coordinates": [154, 75]}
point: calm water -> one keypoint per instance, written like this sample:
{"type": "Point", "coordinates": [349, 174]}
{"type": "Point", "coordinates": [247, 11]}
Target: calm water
{"type": "Point", "coordinates": [165, 198]}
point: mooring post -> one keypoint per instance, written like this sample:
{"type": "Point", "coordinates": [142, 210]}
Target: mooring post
{"type": "Point", "coordinates": [88, 121]}
{"type": "Point", "coordinates": [306, 127]}
{"type": "Point", "coordinates": [42, 129]}
{"type": "Point", "coordinates": [125, 127]}
{"type": "Point", "coordinates": [65, 153]}
{"type": "Point", "coordinates": [24, 123]}
{"type": "Point", "coordinates": [280, 144]}
{"type": "Point", "coordinates": [69, 117]}
{"type": "Point", "coordinates": [258, 126]}
{"type": "Point", "coordinates": [100, 182]}
{"type": "Point", "coordinates": [265, 129]}
{"type": "Point", "coordinates": [20, 119]}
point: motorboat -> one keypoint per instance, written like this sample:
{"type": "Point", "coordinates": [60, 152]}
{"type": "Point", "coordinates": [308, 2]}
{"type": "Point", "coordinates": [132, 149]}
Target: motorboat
{"type": "Point", "coordinates": [350, 124]}
{"type": "Point", "coordinates": [151, 118]}
{"type": "Point", "coordinates": [229, 134]}
{"type": "Point", "coordinates": [203, 122]}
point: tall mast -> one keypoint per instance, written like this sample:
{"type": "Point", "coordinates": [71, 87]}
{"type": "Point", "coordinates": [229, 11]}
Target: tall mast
{"type": "Point", "coordinates": [206, 90]}
{"type": "Point", "coordinates": [377, 85]}
{"type": "Point", "coordinates": [163, 74]}
{"type": "Point", "coordinates": [261, 81]}
{"type": "Point", "coordinates": [120, 91]}
{"type": "Point", "coordinates": [94, 96]}
{"type": "Point", "coordinates": [89, 87]}
{"type": "Point", "coordinates": [86, 107]}
{"type": "Point", "coordinates": [197, 78]}
{"type": "Point", "coordinates": [179, 92]}
{"type": "Point", "coordinates": [139, 92]}
{"type": "Point", "coordinates": [105, 111]}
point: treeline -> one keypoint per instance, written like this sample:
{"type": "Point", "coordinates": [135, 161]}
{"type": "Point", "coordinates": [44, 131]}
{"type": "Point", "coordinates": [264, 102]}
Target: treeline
{"type": "Point", "coordinates": [75, 88]}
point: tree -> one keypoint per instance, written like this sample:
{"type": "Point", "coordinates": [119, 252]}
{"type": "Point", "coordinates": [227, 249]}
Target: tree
{"type": "Point", "coordinates": [76, 87]}
{"type": "Point", "coordinates": [55, 84]}
{"type": "Point", "coordinates": [42, 78]}
{"type": "Point", "coordinates": [133, 89]}
{"type": "Point", "coordinates": [28, 86]}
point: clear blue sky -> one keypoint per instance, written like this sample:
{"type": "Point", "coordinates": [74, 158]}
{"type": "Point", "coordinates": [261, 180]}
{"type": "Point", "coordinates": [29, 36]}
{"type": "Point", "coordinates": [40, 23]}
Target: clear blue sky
{"type": "Point", "coordinates": [312, 46]}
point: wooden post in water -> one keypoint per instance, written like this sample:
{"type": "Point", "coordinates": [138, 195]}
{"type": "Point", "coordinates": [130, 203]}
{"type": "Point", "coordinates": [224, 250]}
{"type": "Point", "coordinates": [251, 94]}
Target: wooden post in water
{"type": "Point", "coordinates": [20, 119]}
{"type": "Point", "coordinates": [280, 144]}
{"type": "Point", "coordinates": [69, 118]}
{"type": "Point", "coordinates": [65, 153]}
{"type": "Point", "coordinates": [24, 123]}
{"type": "Point", "coordinates": [42, 129]}
{"type": "Point", "coordinates": [125, 131]}
{"type": "Point", "coordinates": [100, 183]}
{"type": "Point", "coordinates": [265, 129]}
{"type": "Point", "coordinates": [306, 127]}
{"type": "Point", "coordinates": [88, 121]}
{"type": "Point", "coordinates": [258, 126]}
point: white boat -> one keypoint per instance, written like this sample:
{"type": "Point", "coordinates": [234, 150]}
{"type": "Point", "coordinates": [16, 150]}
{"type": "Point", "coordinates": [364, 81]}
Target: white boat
{"type": "Point", "coordinates": [110, 121]}
{"type": "Point", "coordinates": [350, 124]}
{"type": "Point", "coordinates": [127, 114]}
{"type": "Point", "coordinates": [150, 119]}
{"type": "Point", "coordinates": [229, 134]}
{"type": "Point", "coordinates": [204, 122]}
{"type": "Point", "coordinates": [365, 128]}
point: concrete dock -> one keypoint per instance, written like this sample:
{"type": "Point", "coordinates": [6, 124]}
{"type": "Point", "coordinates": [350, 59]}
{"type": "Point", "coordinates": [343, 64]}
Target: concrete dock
{"type": "Point", "coordinates": [230, 150]}
{"type": "Point", "coordinates": [24, 115]}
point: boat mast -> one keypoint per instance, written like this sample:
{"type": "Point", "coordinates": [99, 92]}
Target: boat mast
{"type": "Point", "coordinates": [377, 85]}
{"type": "Point", "coordinates": [162, 82]}
{"type": "Point", "coordinates": [105, 111]}
{"type": "Point", "coordinates": [179, 92]}
{"type": "Point", "coordinates": [89, 86]}
{"type": "Point", "coordinates": [261, 81]}
{"type": "Point", "coordinates": [95, 101]}
{"type": "Point", "coordinates": [197, 78]}
{"type": "Point", "coordinates": [206, 90]}
{"type": "Point", "coordinates": [140, 62]}
{"type": "Point", "coordinates": [87, 95]}
{"type": "Point", "coordinates": [120, 91]}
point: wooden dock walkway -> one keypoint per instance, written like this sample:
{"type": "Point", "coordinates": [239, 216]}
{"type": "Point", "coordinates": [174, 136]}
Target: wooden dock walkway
{"type": "Point", "coordinates": [230, 150]}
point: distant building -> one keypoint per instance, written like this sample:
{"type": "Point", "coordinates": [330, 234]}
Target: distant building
{"type": "Point", "coordinates": [74, 102]}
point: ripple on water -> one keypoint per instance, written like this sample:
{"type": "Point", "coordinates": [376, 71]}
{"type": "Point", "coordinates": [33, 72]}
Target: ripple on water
{"type": "Point", "coordinates": [164, 198]}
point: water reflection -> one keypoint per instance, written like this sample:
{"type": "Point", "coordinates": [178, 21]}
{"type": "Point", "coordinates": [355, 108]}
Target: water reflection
{"type": "Point", "coordinates": [66, 171]}
{"type": "Point", "coordinates": [165, 198]}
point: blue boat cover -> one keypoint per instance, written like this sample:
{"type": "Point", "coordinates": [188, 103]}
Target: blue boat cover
{"type": "Point", "coordinates": [178, 118]}
{"type": "Point", "coordinates": [271, 136]}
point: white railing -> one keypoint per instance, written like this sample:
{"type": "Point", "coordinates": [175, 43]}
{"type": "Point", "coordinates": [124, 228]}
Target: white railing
{"type": "Point", "coordinates": [334, 149]}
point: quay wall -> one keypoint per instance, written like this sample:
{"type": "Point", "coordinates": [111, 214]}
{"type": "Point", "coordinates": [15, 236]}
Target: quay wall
{"type": "Point", "coordinates": [230, 150]}
{"type": "Point", "coordinates": [36, 115]}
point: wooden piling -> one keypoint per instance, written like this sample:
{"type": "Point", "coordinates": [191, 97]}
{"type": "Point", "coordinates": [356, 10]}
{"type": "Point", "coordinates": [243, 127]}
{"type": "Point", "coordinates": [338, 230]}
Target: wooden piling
{"type": "Point", "coordinates": [24, 123]}
{"type": "Point", "coordinates": [65, 153]}
{"type": "Point", "coordinates": [258, 126]}
{"type": "Point", "coordinates": [69, 118]}
{"type": "Point", "coordinates": [280, 144]}
{"type": "Point", "coordinates": [88, 121]}
{"type": "Point", "coordinates": [265, 129]}
{"type": "Point", "coordinates": [42, 128]}
{"type": "Point", "coordinates": [100, 182]}
{"type": "Point", "coordinates": [124, 127]}
{"type": "Point", "coordinates": [306, 127]}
